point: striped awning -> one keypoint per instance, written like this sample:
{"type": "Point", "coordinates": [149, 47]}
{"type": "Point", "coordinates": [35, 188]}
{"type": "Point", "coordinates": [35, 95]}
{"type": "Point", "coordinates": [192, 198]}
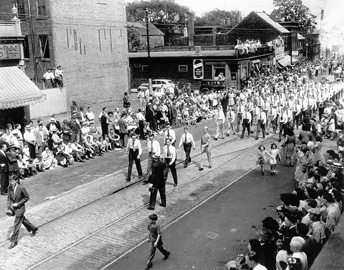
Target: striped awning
{"type": "Point", "coordinates": [17, 90]}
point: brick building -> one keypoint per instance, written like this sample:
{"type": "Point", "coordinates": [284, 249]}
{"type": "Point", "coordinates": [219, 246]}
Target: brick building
{"type": "Point", "coordinates": [87, 38]}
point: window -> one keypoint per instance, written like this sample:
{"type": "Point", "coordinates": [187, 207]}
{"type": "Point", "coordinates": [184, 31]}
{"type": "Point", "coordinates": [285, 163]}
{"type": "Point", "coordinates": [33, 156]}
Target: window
{"type": "Point", "coordinates": [26, 47]}
{"type": "Point", "coordinates": [21, 9]}
{"type": "Point", "coordinates": [43, 46]}
{"type": "Point", "coordinates": [41, 11]}
{"type": "Point", "coordinates": [182, 68]}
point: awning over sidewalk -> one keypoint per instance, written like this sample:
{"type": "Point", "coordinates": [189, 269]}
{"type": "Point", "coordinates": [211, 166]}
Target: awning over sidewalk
{"type": "Point", "coordinates": [17, 90]}
{"type": "Point", "coordinates": [285, 61]}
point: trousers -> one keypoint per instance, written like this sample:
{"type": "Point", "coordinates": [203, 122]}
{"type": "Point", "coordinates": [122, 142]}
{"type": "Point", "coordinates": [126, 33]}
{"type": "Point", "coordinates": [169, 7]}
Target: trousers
{"type": "Point", "coordinates": [187, 149]}
{"type": "Point", "coordinates": [171, 167]}
{"type": "Point", "coordinates": [133, 157]}
{"type": "Point", "coordinates": [18, 221]}
{"type": "Point", "coordinates": [152, 250]}
{"type": "Point", "coordinates": [154, 193]}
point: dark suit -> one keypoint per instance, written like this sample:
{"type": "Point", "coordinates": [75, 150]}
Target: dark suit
{"type": "Point", "coordinates": [41, 141]}
{"type": "Point", "coordinates": [122, 130]}
{"type": "Point", "coordinates": [3, 172]}
{"type": "Point", "coordinates": [157, 178]}
{"type": "Point", "coordinates": [13, 167]}
{"type": "Point", "coordinates": [20, 197]}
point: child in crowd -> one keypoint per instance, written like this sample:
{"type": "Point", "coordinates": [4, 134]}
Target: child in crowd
{"type": "Point", "coordinates": [274, 157]}
{"type": "Point", "coordinates": [262, 157]}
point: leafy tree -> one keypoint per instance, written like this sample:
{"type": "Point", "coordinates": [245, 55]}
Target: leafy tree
{"type": "Point", "coordinates": [159, 11]}
{"type": "Point", "coordinates": [289, 10]}
{"type": "Point", "coordinates": [219, 17]}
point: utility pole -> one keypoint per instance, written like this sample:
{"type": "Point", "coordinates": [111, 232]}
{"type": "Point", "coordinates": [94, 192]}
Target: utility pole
{"type": "Point", "coordinates": [148, 54]}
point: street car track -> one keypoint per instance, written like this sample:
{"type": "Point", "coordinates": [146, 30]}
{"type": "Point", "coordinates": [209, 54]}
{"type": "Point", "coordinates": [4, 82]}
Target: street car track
{"type": "Point", "coordinates": [193, 180]}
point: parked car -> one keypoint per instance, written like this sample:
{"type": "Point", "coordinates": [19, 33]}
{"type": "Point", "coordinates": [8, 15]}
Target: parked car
{"type": "Point", "coordinates": [157, 83]}
{"type": "Point", "coordinates": [207, 85]}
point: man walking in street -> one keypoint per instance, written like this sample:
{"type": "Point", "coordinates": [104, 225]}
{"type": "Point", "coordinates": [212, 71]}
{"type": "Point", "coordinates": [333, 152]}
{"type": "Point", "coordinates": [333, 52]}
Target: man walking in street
{"type": "Point", "coordinates": [153, 147]}
{"type": "Point", "coordinates": [188, 142]}
{"type": "Point", "coordinates": [170, 134]}
{"type": "Point", "coordinates": [261, 122]}
{"type": "Point", "coordinates": [155, 241]}
{"type": "Point", "coordinates": [134, 149]}
{"type": "Point", "coordinates": [246, 122]}
{"type": "Point", "coordinates": [17, 197]}
{"type": "Point", "coordinates": [157, 182]}
{"type": "Point", "coordinates": [219, 121]}
{"type": "Point", "coordinates": [205, 141]}
{"type": "Point", "coordinates": [170, 160]}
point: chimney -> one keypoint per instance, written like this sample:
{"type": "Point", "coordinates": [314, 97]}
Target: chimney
{"type": "Point", "coordinates": [191, 26]}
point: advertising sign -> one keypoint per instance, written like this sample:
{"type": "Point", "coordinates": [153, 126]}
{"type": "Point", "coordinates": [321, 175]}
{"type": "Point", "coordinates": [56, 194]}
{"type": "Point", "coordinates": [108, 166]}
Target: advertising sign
{"type": "Point", "coordinates": [9, 51]}
{"type": "Point", "coordinates": [198, 69]}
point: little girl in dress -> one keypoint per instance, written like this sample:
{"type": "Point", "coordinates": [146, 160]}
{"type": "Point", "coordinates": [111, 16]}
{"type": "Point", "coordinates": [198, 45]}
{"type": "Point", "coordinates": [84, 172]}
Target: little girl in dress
{"type": "Point", "coordinates": [274, 156]}
{"type": "Point", "coordinates": [262, 156]}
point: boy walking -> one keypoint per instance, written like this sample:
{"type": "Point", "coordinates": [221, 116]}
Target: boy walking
{"type": "Point", "coordinates": [155, 241]}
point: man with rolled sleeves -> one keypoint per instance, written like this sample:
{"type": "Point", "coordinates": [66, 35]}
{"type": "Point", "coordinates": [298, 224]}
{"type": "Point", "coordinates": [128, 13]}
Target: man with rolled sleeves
{"type": "Point", "coordinates": [246, 122]}
{"type": "Point", "coordinates": [157, 182]}
{"type": "Point", "coordinates": [134, 150]}
{"type": "Point", "coordinates": [153, 148]}
{"type": "Point", "coordinates": [205, 141]}
{"type": "Point", "coordinates": [3, 168]}
{"type": "Point", "coordinates": [187, 142]}
{"type": "Point", "coordinates": [170, 134]}
{"type": "Point", "coordinates": [261, 122]}
{"type": "Point", "coordinates": [155, 240]}
{"type": "Point", "coordinates": [170, 160]}
{"type": "Point", "coordinates": [17, 197]}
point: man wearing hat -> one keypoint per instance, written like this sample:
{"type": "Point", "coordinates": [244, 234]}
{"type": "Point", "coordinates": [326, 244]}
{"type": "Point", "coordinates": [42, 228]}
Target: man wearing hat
{"type": "Point", "coordinates": [30, 138]}
{"type": "Point", "coordinates": [153, 148]}
{"type": "Point", "coordinates": [157, 182]}
{"type": "Point", "coordinates": [3, 168]}
{"type": "Point", "coordinates": [53, 124]}
{"type": "Point", "coordinates": [12, 157]}
{"type": "Point", "coordinates": [319, 228]}
{"type": "Point", "coordinates": [155, 240]}
{"type": "Point", "coordinates": [134, 150]}
{"type": "Point", "coordinates": [17, 197]}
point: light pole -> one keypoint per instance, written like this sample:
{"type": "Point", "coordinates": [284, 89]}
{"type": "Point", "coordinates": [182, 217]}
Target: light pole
{"type": "Point", "coordinates": [148, 54]}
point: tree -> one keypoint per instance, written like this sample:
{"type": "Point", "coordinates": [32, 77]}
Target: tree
{"type": "Point", "coordinates": [289, 10]}
{"type": "Point", "coordinates": [219, 17]}
{"type": "Point", "coordinates": [159, 11]}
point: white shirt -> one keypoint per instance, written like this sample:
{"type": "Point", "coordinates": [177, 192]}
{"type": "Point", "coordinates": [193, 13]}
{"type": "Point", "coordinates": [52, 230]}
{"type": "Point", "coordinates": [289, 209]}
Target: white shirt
{"type": "Point", "coordinates": [187, 139]}
{"type": "Point", "coordinates": [172, 153]}
{"type": "Point", "coordinates": [89, 116]}
{"type": "Point", "coordinates": [247, 115]}
{"type": "Point", "coordinates": [156, 147]}
{"type": "Point", "coordinates": [171, 134]}
{"type": "Point", "coordinates": [219, 116]}
{"type": "Point", "coordinates": [135, 145]}
{"type": "Point", "coordinates": [262, 116]}
{"type": "Point", "coordinates": [230, 116]}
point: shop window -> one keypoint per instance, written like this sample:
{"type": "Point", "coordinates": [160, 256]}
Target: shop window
{"type": "Point", "coordinates": [182, 68]}
{"type": "Point", "coordinates": [43, 46]}
{"type": "Point", "coordinates": [26, 47]}
{"type": "Point", "coordinates": [41, 8]}
{"type": "Point", "coordinates": [21, 9]}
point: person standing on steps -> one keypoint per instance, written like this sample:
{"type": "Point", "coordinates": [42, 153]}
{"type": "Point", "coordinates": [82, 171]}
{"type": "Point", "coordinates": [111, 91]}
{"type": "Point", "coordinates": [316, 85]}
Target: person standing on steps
{"type": "Point", "coordinates": [205, 141]}
{"type": "Point", "coordinates": [188, 142]}
{"type": "Point", "coordinates": [157, 182]}
{"type": "Point", "coordinates": [155, 241]}
{"type": "Point", "coordinates": [17, 197]}
{"type": "Point", "coordinates": [134, 150]}
{"type": "Point", "coordinates": [170, 160]}
{"type": "Point", "coordinates": [153, 148]}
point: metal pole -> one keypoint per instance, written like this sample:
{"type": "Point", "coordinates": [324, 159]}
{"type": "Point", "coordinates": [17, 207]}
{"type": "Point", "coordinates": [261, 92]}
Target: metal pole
{"type": "Point", "coordinates": [148, 52]}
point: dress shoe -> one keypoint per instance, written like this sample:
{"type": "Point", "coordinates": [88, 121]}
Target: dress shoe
{"type": "Point", "coordinates": [241, 137]}
{"type": "Point", "coordinates": [215, 139]}
{"type": "Point", "coordinates": [162, 205]}
{"type": "Point", "coordinates": [256, 138]}
{"type": "Point", "coordinates": [200, 169]}
{"type": "Point", "coordinates": [34, 231]}
{"type": "Point", "coordinates": [185, 165]}
{"type": "Point", "coordinates": [4, 193]}
{"type": "Point", "coordinates": [210, 167]}
{"type": "Point", "coordinates": [128, 180]}
{"type": "Point", "coordinates": [144, 182]}
{"type": "Point", "coordinates": [13, 244]}
{"type": "Point", "coordinates": [150, 208]}
{"type": "Point", "coordinates": [149, 266]}
{"type": "Point", "coordinates": [175, 185]}
{"type": "Point", "coordinates": [167, 255]}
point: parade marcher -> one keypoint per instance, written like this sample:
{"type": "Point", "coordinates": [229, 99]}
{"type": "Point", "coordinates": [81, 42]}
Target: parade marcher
{"type": "Point", "coordinates": [170, 134]}
{"type": "Point", "coordinates": [219, 121]}
{"type": "Point", "coordinates": [155, 241]}
{"type": "Point", "coordinates": [230, 121]}
{"type": "Point", "coordinates": [134, 149]}
{"type": "Point", "coordinates": [170, 160]}
{"type": "Point", "coordinates": [187, 142]}
{"type": "Point", "coordinates": [153, 147]}
{"type": "Point", "coordinates": [261, 117]}
{"type": "Point", "coordinates": [205, 141]}
{"type": "Point", "coordinates": [246, 122]}
{"type": "Point", "coordinates": [157, 182]}
{"type": "Point", "coordinates": [3, 168]}
{"type": "Point", "coordinates": [17, 197]}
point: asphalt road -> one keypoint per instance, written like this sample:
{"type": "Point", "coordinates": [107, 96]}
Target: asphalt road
{"type": "Point", "coordinates": [219, 229]}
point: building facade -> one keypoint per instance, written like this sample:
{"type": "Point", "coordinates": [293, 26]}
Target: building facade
{"type": "Point", "coordinates": [87, 38]}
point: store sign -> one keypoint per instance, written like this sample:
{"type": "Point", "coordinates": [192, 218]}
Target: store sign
{"type": "Point", "coordinates": [198, 69]}
{"type": "Point", "coordinates": [9, 51]}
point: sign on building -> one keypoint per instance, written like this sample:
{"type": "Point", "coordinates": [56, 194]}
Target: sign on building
{"type": "Point", "coordinates": [198, 69]}
{"type": "Point", "coordinates": [9, 51]}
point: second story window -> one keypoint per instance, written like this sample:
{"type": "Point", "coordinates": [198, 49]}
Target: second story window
{"type": "Point", "coordinates": [41, 11]}
{"type": "Point", "coordinates": [43, 43]}
{"type": "Point", "coordinates": [21, 9]}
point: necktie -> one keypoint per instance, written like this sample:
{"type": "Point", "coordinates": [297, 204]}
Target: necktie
{"type": "Point", "coordinates": [151, 147]}
{"type": "Point", "coordinates": [168, 152]}
{"type": "Point", "coordinates": [133, 145]}
{"type": "Point", "coordinates": [168, 133]}
{"type": "Point", "coordinates": [186, 138]}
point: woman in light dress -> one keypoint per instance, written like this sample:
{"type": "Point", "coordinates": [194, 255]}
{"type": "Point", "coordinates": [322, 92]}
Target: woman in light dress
{"type": "Point", "coordinates": [274, 156]}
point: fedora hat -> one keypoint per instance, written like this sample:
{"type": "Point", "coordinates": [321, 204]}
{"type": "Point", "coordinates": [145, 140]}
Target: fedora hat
{"type": "Point", "coordinates": [9, 212]}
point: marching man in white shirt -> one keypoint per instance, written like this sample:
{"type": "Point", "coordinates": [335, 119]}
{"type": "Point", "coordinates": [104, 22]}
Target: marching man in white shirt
{"type": "Point", "coordinates": [187, 142]}
{"type": "Point", "coordinates": [219, 121]}
{"type": "Point", "coordinates": [169, 155]}
{"type": "Point", "coordinates": [170, 134]}
{"type": "Point", "coordinates": [230, 120]}
{"type": "Point", "coordinates": [261, 122]}
{"type": "Point", "coordinates": [134, 149]}
{"type": "Point", "coordinates": [153, 147]}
